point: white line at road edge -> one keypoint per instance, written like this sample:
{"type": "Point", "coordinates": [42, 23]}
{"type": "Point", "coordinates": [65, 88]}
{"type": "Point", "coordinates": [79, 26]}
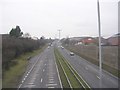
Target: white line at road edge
{"type": "Point", "coordinates": [65, 75]}
{"type": "Point", "coordinates": [29, 72]}
{"type": "Point", "coordinates": [79, 75]}
{"type": "Point", "coordinates": [58, 74]}
{"type": "Point", "coordinates": [77, 72]}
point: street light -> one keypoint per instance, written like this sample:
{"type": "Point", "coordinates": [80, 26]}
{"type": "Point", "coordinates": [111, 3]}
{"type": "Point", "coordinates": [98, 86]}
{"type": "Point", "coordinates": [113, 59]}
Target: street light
{"type": "Point", "coordinates": [100, 55]}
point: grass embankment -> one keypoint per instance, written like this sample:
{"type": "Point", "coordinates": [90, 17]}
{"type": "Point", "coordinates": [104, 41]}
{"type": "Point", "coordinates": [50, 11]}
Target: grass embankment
{"type": "Point", "coordinates": [69, 77]}
{"type": "Point", "coordinates": [95, 61]}
{"type": "Point", "coordinates": [14, 74]}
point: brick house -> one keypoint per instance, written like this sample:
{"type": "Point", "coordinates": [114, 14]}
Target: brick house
{"type": "Point", "coordinates": [88, 40]}
{"type": "Point", "coordinates": [114, 40]}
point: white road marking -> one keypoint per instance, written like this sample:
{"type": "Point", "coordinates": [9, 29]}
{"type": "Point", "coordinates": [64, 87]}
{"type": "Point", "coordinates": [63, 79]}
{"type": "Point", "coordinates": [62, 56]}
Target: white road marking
{"type": "Point", "coordinates": [45, 64]}
{"type": "Point", "coordinates": [51, 81]}
{"type": "Point", "coordinates": [22, 81]}
{"type": "Point", "coordinates": [25, 76]}
{"type": "Point", "coordinates": [51, 84]}
{"type": "Point", "coordinates": [43, 70]}
{"type": "Point", "coordinates": [20, 85]}
{"type": "Point", "coordinates": [29, 86]}
{"type": "Point", "coordinates": [41, 80]}
{"type": "Point", "coordinates": [34, 78]}
{"type": "Point", "coordinates": [51, 77]}
{"type": "Point", "coordinates": [51, 87]}
{"type": "Point", "coordinates": [28, 72]}
{"type": "Point", "coordinates": [30, 83]}
{"type": "Point", "coordinates": [58, 75]}
{"type": "Point", "coordinates": [98, 77]}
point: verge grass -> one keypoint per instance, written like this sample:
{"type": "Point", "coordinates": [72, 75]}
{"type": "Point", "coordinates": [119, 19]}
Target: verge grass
{"type": "Point", "coordinates": [72, 76]}
{"type": "Point", "coordinates": [14, 74]}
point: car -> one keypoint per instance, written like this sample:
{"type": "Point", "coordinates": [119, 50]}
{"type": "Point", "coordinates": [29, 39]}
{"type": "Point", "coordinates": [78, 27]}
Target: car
{"type": "Point", "coordinates": [62, 47]}
{"type": "Point", "coordinates": [48, 47]}
{"type": "Point", "coordinates": [71, 54]}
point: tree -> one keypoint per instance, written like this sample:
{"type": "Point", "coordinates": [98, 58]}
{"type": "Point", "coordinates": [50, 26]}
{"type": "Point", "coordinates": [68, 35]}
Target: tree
{"type": "Point", "coordinates": [26, 35]}
{"type": "Point", "coordinates": [16, 32]}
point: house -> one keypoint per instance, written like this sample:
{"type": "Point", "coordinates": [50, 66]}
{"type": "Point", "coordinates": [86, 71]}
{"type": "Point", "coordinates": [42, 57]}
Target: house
{"type": "Point", "coordinates": [87, 40]}
{"type": "Point", "coordinates": [104, 41]}
{"type": "Point", "coordinates": [114, 40]}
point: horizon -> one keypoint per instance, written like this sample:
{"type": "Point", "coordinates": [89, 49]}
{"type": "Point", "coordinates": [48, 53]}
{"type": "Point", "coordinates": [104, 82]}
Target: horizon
{"type": "Point", "coordinates": [73, 17]}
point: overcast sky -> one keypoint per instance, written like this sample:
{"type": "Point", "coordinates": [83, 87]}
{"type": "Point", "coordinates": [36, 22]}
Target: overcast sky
{"type": "Point", "coordinates": [46, 17]}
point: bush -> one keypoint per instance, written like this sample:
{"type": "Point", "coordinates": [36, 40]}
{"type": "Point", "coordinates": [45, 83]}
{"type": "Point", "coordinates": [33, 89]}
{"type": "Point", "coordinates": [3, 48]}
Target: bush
{"type": "Point", "coordinates": [14, 47]}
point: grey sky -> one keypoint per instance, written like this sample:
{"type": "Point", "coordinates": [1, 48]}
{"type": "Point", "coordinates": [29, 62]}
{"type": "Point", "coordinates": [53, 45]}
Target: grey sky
{"type": "Point", "coordinates": [45, 17]}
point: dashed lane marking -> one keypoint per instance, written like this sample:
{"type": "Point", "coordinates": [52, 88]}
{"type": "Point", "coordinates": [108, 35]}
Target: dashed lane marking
{"type": "Point", "coordinates": [22, 81]}
{"type": "Point", "coordinates": [51, 78]}
{"type": "Point", "coordinates": [20, 85]}
{"type": "Point", "coordinates": [98, 77]}
{"type": "Point", "coordinates": [51, 81]}
{"type": "Point", "coordinates": [41, 80]}
{"type": "Point", "coordinates": [29, 86]}
{"type": "Point", "coordinates": [51, 87]}
{"type": "Point", "coordinates": [30, 83]}
{"type": "Point", "coordinates": [51, 84]}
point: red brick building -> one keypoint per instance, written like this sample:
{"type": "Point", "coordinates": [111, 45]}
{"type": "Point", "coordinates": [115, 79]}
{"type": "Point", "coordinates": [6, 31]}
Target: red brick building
{"type": "Point", "coordinates": [88, 40]}
{"type": "Point", "coordinates": [114, 40]}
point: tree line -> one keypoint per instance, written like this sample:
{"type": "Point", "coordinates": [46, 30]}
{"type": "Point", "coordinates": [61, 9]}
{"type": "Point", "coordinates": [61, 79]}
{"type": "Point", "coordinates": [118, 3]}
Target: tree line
{"type": "Point", "coordinates": [13, 45]}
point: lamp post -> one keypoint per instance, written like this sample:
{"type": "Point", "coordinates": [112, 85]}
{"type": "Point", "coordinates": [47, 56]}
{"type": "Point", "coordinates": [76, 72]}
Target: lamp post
{"type": "Point", "coordinates": [100, 53]}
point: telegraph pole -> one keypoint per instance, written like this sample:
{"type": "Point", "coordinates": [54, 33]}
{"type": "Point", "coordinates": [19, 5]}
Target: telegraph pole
{"type": "Point", "coordinates": [100, 53]}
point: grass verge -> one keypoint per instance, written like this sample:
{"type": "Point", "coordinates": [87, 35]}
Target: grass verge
{"type": "Point", "coordinates": [74, 79]}
{"type": "Point", "coordinates": [14, 74]}
{"type": "Point", "coordinates": [63, 78]}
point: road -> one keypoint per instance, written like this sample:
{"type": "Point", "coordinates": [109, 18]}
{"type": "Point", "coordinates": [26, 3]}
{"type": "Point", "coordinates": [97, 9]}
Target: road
{"type": "Point", "coordinates": [42, 72]}
{"type": "Point", "coordinates": [89, 71]}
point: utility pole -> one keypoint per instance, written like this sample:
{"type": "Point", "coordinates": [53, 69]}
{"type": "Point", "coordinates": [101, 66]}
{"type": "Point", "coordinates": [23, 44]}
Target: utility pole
{"type": "Point", "coordinates": [100, 53]}
{"type": "Point", "coordinates": [59, 34]}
